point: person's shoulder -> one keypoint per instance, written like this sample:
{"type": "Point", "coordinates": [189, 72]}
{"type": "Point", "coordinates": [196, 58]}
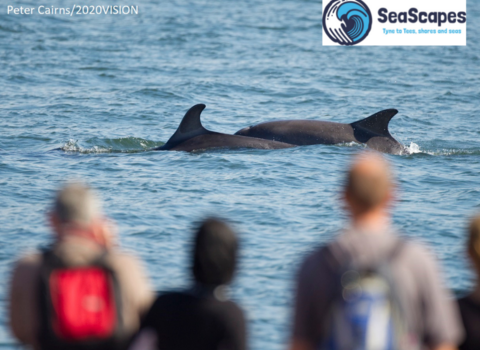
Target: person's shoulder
{"type": "Point", "coordinates": [120, 254]}
{"type": "Point", "coordinates": [317, 257]}
{"type": "Point", "coordinates": [165, 305]}
{"type": "Point", "coordinates": [26, 270]}
{"type": "Point", "coordinates": [235, 309]}
{"type": "Point", "coordinates": [318, 253]}
{"type": "Point", "coordinates": [173, 295]}
{"type": "Point", "coordinates": [123, 259]}
{"type": "Point", "coordinates": [225, 311]}
{"type": "Point", "coordinates": [417, 251]}
{"type": "Point", "coordinates": [178, 302]}
{"type": "Point", "coordinates": [419, 259]}
{"type": "Point", "coordinates": [232, 314]}
{"type": "Point", "coordinates": [171, 298]}
{"type": "Point", "coordinates": [30, 259]}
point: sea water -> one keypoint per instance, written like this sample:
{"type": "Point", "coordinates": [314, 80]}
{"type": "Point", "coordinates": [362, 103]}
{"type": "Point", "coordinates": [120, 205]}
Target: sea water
{"type": "Point", "coordinates": [87, 96]}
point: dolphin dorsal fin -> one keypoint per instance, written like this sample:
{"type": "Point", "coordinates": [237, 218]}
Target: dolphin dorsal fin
{"type": "Point", "coordinates": [377, 123]}
{"type": "Point", "coordinates": [189, 127]}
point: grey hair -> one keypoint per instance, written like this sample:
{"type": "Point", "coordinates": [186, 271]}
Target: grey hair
{"type": "Point", "coordinates": [76, 202]}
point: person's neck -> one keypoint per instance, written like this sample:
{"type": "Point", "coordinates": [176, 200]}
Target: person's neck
{"type": "Point", "coordinates": [78, 237]}
{"type": "Point", "coordinates": [372, 221]}
{"type": "Point", "coordinates": [77, 232]}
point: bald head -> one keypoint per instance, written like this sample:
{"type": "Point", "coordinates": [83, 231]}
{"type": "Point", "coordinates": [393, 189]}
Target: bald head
{"type": "Point", "coordinates": [369, 181]}
{"type": "Point", "coordinates": [76, 203]}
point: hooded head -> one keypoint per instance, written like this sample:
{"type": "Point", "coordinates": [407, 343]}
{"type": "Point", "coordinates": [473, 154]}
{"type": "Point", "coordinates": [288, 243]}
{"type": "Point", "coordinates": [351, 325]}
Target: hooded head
{"type": "Point", "coordinates": [214, 253]}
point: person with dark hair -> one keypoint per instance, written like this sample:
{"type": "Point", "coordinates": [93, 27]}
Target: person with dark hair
{"type": "Point", "coordinates": [470, 304]}
{"type": "Point", "coordinates": [200, 318]}
{"type": "Point", "coordinates": [370, 288]}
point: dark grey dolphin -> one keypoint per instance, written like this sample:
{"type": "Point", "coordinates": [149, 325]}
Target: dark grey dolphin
{"type": "Point", "coordinates": [192, 136]}
{"type": "Point", "coordinates": [372, 131]}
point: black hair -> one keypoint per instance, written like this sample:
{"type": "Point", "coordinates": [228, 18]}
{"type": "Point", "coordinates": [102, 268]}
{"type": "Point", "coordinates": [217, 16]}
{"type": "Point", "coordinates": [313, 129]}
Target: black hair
{"type": "Point", "coordinates": [214, 253]}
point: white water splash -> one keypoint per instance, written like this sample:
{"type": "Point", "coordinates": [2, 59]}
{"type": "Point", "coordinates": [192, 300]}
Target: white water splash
{"type": "Point", "coordinates": [73, 146]}
{"type": "Point", "coordinates": [352, 144]}
{"type": "Point", "coordinates": [413, 148]}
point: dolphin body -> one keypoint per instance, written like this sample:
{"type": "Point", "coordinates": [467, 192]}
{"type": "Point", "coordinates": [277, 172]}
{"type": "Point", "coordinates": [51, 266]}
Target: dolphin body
{"type": "Point", "coordinates": [372, 131]}
{"type": "Point", "coordinates": [191, 136]}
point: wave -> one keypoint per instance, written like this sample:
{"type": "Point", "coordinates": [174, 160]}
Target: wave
{"type": "Point", "coordinates": [119, 145]}
{"type": "Point", "coordinates": [136, 145]}
{"type": "Point", "coordinates": [413, 148]}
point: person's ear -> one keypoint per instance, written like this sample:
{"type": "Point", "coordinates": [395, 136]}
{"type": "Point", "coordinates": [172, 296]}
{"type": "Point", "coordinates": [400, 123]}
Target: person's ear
{"type": "Point", "coordinates": [104, 231]}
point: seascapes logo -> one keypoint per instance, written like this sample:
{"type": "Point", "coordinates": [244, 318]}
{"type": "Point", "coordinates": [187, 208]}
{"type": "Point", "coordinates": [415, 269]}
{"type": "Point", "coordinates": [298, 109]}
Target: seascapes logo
{"type": "Point", "coordinates": [347, 22]}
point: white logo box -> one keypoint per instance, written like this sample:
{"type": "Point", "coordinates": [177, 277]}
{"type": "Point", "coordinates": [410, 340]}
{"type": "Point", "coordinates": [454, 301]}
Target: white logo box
{"type": "Point", "coordinates": [399, 28]}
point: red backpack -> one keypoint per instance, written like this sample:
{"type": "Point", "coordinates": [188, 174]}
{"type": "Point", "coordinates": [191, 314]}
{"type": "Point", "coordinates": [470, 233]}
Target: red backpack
{"type": "Point", "coordinates": [80, 307]}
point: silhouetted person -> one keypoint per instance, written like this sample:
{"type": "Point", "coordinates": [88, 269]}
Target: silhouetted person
{"type": "Point", "coordinates": [369, 288]}
{"type": "Point", "coordinates": [81, 292]}
{"type": "Point", "coordinates": [200, 318]}
{"type": "Point", "coordinates": [470, 305]}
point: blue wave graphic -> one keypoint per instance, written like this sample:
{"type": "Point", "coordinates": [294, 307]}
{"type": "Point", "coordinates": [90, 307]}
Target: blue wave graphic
{"type": "Point", "coordinates": [359, 16]}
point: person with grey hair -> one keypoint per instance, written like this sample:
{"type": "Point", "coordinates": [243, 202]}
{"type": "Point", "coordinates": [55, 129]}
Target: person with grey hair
{"type": "Point", "coordinates": [81, 292]}
{"type": "Point", "coordinates": [369, 288]}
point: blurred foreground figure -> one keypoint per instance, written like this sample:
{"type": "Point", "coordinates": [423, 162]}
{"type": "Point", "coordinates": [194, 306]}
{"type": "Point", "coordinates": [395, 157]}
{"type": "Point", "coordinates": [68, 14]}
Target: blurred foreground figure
{"type": "Point", "coordinates": [200, 318]}
{"type": "Point", "coordinates": [370, 289]}
{"type": "Point", "coordinates": [470, 305]}
{"type": "Point", "coordinates": [80, 293]}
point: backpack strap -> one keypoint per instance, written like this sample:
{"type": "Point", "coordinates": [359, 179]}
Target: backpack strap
{"type": "Point", "coordinates": [101, 261]}
{"type": "Point", "coordinates": [398, 247]}
{"type": "Point", "coordinates": [333, 253]}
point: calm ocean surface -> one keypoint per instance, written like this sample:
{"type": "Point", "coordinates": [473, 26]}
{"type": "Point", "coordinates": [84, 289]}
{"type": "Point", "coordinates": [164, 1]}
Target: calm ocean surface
{"type": "Point", "coordinates": [106, 88]}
